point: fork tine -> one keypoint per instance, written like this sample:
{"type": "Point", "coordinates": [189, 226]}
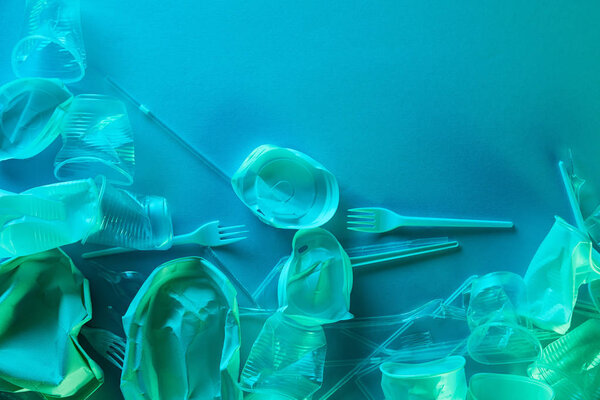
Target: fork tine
{"type": "Point", "coordinates": [362, 216]}
{"type": "Point", "coordinates": [365, 229]}
{"type": "Point", "coordinates": [228, 241]}
{"type": "Point", "coordinates": [228, 228]}
{"type": "Point", "coordinates": [362, 210]}
{"type": "Point", "coordinates": [115, 359]}
{"type": "Point", "coordinates": [361, 223]}
{"type": "Point", "coordinates": [229, 234]}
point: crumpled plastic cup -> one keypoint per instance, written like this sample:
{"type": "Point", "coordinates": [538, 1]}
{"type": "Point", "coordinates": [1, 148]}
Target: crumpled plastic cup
{"type": "Point", "coordinates": [51, 44]}
{"type": "Point", "coordinates": [500, 333]}
{"type": "Point", "coordinates": [287, 360]}
{"type": "Point", "coordinates": [48, 216]}
{"type": "Point", "coordinates": [442, 379]}
{"type": "Point", "coordinates": [27, 115]}
{"type": "Point", "coordinates": [571, 364]}
{"type": "Point", "coordinates": [504, 386]}
{"type": "Point", "coordinates": [44, 302]}
{"type": "Point", "coordinates": [97, 140]}
{"type": "Point", "coordinates": [183, 335]}
{"type": "Point", "coordinates": [316, 281]}
{"type": "Point", "coordinates": [564, 261]}
{"type": "Point", "coordinates": [132, 220]}
{"type": "Point", "coordinates": [286, 189]}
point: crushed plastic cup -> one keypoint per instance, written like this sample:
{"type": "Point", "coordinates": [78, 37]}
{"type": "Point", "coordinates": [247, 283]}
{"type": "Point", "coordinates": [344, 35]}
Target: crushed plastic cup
{"type": "Point", "coordinates": [488, 386]}
{"type": "Point", "coordinates": [51, 44]}
{"type": "Point", "coordinates": [183, 335]}
{"type": "Point", "coordinates": [97, 140]}
{"type": "Point", "coordinates": [594, 291]}
{"type": "Point", "coordinates": [132, 220]}
{"type": "Point", "coordinates": [48, 216]}
{"type": "Point", "coordinates": [316, 281]}
{"type": "Point", "coordinates": [286, 189]}
{"type": "Point", "coordinates": [287, 359]}
{"type": "Point", "coordinates": [503, 343]}
{"type": "Point", "coordinates": [564, 261]}
{"type": "Point", "coordinates": [570, 363]}
{"type": "Point", "coordinates": [442, 379]}
{"type": "Point", "coordinates": [27, 115]}
{"type": "Point", "coordinates": [44, 302]}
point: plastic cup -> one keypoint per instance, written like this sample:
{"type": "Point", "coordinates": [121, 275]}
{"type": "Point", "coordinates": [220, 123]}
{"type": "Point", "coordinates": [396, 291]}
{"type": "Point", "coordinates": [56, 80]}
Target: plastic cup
{"type": "Point", "coordinates": [132, 220]}
{"type": "Point", "coordinates": [27, 119]}
{"type": "Point", "coordinates": [435, 380]}
{"type": "Point", "coordinates": [97, 140]}
{"type": "Point", "coordinates": [286, 189]}
{"type": "Point", "coordinates": [287, 359]}
{"type": "Point", "coordinates": [316, 281]}
{"type": "Point", "coordinates": [504, 386]}
{"type": "Point", "coordinates": [500, 343]}
{"type": "Point", "coordinates": [51, 44]}
{"type": "Point", "coordinates": [48, 216]}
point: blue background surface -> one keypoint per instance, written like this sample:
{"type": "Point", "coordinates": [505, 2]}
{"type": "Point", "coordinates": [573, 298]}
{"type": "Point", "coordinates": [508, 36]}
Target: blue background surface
{"type": "Point", "coordinates": [430, 108]}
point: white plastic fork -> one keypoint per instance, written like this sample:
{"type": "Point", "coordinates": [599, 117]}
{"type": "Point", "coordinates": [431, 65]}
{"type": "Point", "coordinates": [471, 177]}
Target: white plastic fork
{"type": "Point", "coordinates": [209, 235]}
{"type": "Point", "coordinates": [379, 220]}
{"type": "Point", "coordinates": [106, 344]}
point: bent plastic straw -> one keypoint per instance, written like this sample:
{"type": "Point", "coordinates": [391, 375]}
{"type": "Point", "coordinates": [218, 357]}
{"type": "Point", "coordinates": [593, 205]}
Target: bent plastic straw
{"type": "Point", "coordinates": [579, 222]}
{"type": "Point", "coordinates": [174, 135]}
{"type": "Point", "coordinates": [434, 307]}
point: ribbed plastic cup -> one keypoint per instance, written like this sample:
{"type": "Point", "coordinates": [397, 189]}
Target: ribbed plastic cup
{"type": "Point", "coordinates": [504, 386]}
{"type": "Point", "coordinates": [27, 115]}
{"type": "Point", "coordinates": [132, 220]}
{"type": "Point", "coordinates": [51, 44]}
{"type": "Point", "coordinates": [436, 380]}
{"type": "Point", "coordinates": [97, 140]}
{"type": "Point", "coordinates": [287, 359]}
{"type": "Point", "coordinates": [48, 216]}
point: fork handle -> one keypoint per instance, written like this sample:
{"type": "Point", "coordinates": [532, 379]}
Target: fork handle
{"type": "Point", "coordinates": [454, 223]}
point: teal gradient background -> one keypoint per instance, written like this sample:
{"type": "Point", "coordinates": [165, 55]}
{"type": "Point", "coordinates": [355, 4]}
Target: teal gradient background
{"type": "Point", "coordinates": [430, 108]}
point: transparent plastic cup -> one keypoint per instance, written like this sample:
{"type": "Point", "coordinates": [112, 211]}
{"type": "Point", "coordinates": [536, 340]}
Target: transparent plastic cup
{"type": "Point", "coordinates": [97, 140]}
{"type": "Point", "coordinates": [435, 380]}
{"type": "Point", "coordinates": [132, 220]}
{"type": "Point", "coordinates": [286, 189]}
{"type": "Point", "coordinates": [27, 115]}
{"type": "Point", "coordinates": [570, 364]}
{"type": "Point", "coordinates": [287, 359]}
{"type": "Point", "coordinates": [51, 44]}
{"type": "Point", "coordinates": [497, 343]}
{"type": "Point", "coordinates": [48, 216]}
{"type": "Point", "coordinates": [504, 386]}
{"type": "Point", "coordinates": [316, 281]}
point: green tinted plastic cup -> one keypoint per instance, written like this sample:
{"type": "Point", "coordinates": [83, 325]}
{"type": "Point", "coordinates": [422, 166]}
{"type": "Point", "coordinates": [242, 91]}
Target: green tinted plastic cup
{"type": "Point", "coordinates": [287, 359]}
{"type": "Point", "coordinates": [27, 115]}
{"type": "Point", "coordinates": [286, 189]}
{"type": "Point", "coordinates": [316, 281]}
{"type": "Point", "coordinates": [436, 380]}
{"type": "Point", "coordinates": [51, 44]}
{"type": "Point", "coordinates": [97, 140]}
{"type": "Point", "coordinates": [500, 343]}
{"type": "Point", "coordinates": [504, 386]}
{"type": "Point", "coordinates": [132, 220]}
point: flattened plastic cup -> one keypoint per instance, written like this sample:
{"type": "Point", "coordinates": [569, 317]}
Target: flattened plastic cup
{"type": "Point", "coordinates": [27, 115]}
{"type": "Point", "coordinates": [287, 359]}
{"type": "Point", "coordinates": [286, 189]}
{"type": "Point", "coordinates": [48, 216]}
{"type": "Point", "coordinates": [504, 386]}
{"type": "Point", "coordinates": [316, 281]}
{"type": "Point", "coordinates": [570, 364]}
{"type": "Point", "coordinates": [97, 140]}
{"type": "Point", "coordinates": [51, 44]}
{"type": "Point", "coordinates": [436, 380]}
{"type": "Point", "coordinates": [183, 335]}
{"type": "Point", "coordinates": [564, 261]}
{"type": "Point", "coordinates": [132, 220]}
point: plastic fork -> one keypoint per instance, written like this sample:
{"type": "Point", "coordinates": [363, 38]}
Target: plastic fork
{"type": "Point", "coordinates": [378, 220]}
{"type": "Point", "coordinates": [106, 344]}
{"type": "Point", "coordinates": [209, 235]}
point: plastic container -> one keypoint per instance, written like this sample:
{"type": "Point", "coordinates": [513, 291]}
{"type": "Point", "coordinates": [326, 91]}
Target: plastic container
{"type": "Point", "coordinates": [504, 386]}
{"type": "Point", "coordinates": [132, 220]}
{"type": "Point", "coordinates": [97, 140]}
{"type": "Point", "coordinates": [287, 359]}
{"type": "Point", "coordinates": [435, 380]}
{"type": "Point", "coordinates": [501, 343]}
{"type": "Point", "coordinates": [51, 44]}
{"type": "Point", "coordinates": [316, 281]}
{"type": "Point", "coordinates": [27, 119]}
{"type": "Point", "coordinates": [286, 189]}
